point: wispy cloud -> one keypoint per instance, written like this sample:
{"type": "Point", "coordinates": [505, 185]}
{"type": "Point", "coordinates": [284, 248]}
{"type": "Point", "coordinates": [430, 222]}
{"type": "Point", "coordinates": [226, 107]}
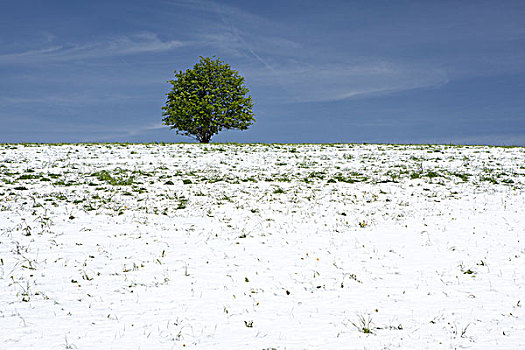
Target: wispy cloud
{"type": "Point", "coordinates": [71, 100]}
{"type": "Point", "coordinates": [108, 47]}
{"type": "Point", "coordinates": [341, 81]}
{"type": "Point", "coordinates": [80, 130]}
{"type": "Point", "coordinates": [238, 32]}
{"type": "Point", "coordinates": [123, 133]}
{"type": "Point", "coordinates": [220, 8]}
{"type": "Point", "coordinates": [137, 130]}
{"type": "Point", "coordinates": [306, 73]}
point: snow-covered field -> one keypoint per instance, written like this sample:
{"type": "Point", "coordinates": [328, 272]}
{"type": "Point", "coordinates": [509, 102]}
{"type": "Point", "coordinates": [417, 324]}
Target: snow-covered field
{"type": "Point", "coordinates": [261, 247]}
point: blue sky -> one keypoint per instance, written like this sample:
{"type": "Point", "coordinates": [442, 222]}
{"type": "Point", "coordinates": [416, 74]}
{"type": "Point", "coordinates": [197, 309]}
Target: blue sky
{"type": "Point", "coordinates": [318, 71]}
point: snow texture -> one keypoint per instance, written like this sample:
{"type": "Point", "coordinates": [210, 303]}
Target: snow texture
{"type": "Point", "coordinates": [224, 246]}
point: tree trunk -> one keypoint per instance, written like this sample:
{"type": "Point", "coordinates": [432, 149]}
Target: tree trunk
{"type": "Point", "coordinates": [205, 138]}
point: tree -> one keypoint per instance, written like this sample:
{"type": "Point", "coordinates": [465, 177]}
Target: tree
{"type": "Point", "coordinates": [206, 99]}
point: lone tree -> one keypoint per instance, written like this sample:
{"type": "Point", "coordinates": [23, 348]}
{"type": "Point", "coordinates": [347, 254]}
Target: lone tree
{"type": "Point", "coordinates": [206, 99]}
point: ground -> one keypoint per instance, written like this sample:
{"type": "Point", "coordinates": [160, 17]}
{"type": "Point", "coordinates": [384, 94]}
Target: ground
{"type": "Point", "coordinates": [225, 246]}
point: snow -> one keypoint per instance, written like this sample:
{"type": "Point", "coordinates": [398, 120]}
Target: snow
{"type": "Point", "coordinates": [227, 246]}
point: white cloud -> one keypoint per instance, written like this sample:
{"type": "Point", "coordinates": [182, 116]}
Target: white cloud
{"type": "Point", "coordinates": [333, 82]}
{"type": "Point", "coordinates": [70, 100]}
{"type": "Point", "coordinates": [109, 47]}
{"type": "Point", "coordinates": [145, 42]}
{"type": "Point", "coordinates": [269, 58]}
{"type": "Point", "coordinates": [19, 123]}
{"type": "Point", "coordinates": [224, 11]}
{"type": "Point", "coordinates": [137, 130]}
{"type": "Point", "coordinates": [265, 55]}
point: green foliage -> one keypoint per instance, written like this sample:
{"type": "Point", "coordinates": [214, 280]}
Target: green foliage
{"type": "Point", "coordinates": [206, 99]}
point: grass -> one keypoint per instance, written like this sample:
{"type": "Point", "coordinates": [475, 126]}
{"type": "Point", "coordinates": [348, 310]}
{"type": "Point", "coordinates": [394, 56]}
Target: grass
{"type": "Point", "coordinates": [115, 179]}
{"type": "Point", "coordinates": [364, 324]}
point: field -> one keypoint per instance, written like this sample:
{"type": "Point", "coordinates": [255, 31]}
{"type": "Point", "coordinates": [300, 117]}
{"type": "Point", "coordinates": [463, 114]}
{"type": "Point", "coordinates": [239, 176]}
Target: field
{"type": "Point", "coordinates": [226, 246]}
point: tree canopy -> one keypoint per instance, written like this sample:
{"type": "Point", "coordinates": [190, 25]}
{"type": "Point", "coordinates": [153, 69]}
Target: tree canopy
{"type": "Point", "coordinates": [206, 99]}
